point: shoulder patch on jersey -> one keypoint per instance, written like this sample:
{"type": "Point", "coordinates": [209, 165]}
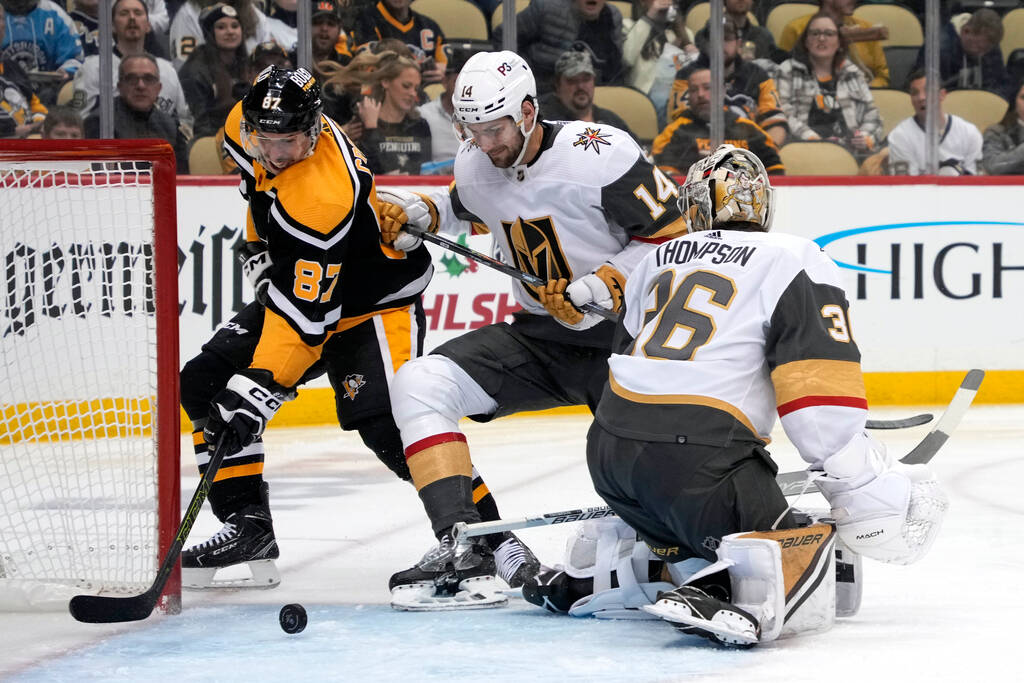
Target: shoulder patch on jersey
{"type": "Point", "coordinates": [592, 138]}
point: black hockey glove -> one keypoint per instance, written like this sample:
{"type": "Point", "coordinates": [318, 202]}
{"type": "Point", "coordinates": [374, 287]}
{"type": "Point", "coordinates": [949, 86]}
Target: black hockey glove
{"type": "Point", "coordinates": [256, 263]}
{"type": "Point", "coordinates": [243, 408]}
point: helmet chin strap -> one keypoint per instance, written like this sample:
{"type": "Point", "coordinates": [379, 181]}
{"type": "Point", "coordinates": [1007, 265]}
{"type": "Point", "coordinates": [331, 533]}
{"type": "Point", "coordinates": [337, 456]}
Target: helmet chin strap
{"type": "Point", "coordinates": [518, 168]}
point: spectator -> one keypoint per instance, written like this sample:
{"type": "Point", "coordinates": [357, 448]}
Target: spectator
{"type": "Point", "coordinates": [970, 57]}
{"type": "Point", "coordinates": [749, 90]}
{"type": "Point", "coordinates": [756, 42]}
{"type": "Point", "coordinates": [216, 70]}
{"type": "Point", "coordinates": [187, 32]}
{"type": "Point", "coordinates": [135, 112]}
{"type": "Point", "coordinates": [1003, 150]}
{"type": "Point", "coordinates": [85, 16]}
{"type": "Point", "coordinates": [655, 49]}
{"type": "Point", "coordinates": [282, 23]}
{"type": "Point", "coordinates": [330, 43]}
{"type": "Point", "coordinates": [573, 97]}
{"type": "Point", "coordinates": [547, 28]}
{"type": "Point", "coordinates": [345, 86]}
{"type": "Point", "coordinates": [394, 19]}
{"type": "Point", "coordinates": [824, 95]}
{"type": "Point", "coordinates": [131, 32]}
{"type": "Point", "coordinates": [688, 138]}
{"type": "Point", "coordinates": [21, 112]}
{"type": "Point", "coordinates": [395, 138]}
{"type": "Point", "coordinates": [863, 38]}
{"type": "Point", "coordinates": [41, 37]}
{"type": "Point", "coordinates": [444, 142]}
{"type": "Point", "coordinates": [959, 145]}
{"type": "Point", "coordinates": [63, 123]}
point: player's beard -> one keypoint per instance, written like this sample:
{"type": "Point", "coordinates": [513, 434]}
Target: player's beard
{"type": "Point", "coordinates": [503, 156]}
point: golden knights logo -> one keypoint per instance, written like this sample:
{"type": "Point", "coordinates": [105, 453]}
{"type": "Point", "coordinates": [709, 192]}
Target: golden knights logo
{"type": "Point", "coordinates": [536, 250]}
{"type": "Point", "coordinates": [352, 384]}
{"type": "Point", "coordinates": [592, 138]}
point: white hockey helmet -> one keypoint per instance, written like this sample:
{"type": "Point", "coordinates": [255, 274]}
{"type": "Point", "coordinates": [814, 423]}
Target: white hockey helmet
{"type": "Point", "coordinates": [729, 185]}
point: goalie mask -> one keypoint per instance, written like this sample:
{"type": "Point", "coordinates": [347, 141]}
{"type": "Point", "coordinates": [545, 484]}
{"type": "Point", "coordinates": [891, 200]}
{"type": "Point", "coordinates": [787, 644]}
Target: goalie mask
{"type": "Point", "coordinates": [281, 102]}
{"type": "Point", "coordinates": [730, 185]}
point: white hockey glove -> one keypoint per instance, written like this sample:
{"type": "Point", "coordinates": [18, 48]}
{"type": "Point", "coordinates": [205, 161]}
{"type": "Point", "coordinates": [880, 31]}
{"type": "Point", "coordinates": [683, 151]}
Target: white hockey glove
{"type": "Point", "coordinates": [256, 263]}
{"type": "Point", "coordinates": [883, 509]}
{"type": "Point", "coordinates": [603, 287]}
{"type": "Point", "coordinates": [398, 208]}
{"type": "Point", "coordinates": [243, 408]}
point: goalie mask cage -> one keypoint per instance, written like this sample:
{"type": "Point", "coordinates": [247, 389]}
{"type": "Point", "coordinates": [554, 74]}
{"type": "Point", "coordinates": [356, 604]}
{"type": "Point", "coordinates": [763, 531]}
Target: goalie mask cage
{"type": "Point", "coordinates": [89, 416]}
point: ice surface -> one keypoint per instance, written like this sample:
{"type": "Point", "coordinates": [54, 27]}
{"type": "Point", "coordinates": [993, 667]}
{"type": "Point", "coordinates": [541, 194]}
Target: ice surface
{"type": "Point", "coordinates": [345, 524]}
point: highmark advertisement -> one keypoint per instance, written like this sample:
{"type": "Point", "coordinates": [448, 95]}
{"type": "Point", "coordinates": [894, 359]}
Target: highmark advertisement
{"type": "Point", "coordinates": [934, 273]}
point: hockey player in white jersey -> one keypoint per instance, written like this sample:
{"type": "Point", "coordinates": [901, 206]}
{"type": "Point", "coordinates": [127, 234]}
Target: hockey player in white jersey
{"type": "Point", "coordinates": [723, 329]}
{"type": "Point", "coordinates": [574, 203]}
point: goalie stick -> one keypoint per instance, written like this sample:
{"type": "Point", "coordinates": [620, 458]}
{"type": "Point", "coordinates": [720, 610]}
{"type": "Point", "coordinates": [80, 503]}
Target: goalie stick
{"type": "Point", "coordinates": [791, 483]}
{"type": "Point", "coordinates": [104, 609]}
{"type": "Point", "coordinates": [527, 278]}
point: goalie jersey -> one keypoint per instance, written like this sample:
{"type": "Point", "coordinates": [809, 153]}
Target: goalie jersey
{"type": "Point", "coordinates": [722, 330]}
{"type": "Point", "coordinates": [319, 221]}
{"type": "Point", "coordinates": [589, 197]}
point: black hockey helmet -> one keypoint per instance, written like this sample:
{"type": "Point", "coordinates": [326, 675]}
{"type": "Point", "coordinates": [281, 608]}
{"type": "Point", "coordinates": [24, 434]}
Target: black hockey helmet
{"type": "Point", "coordinates": [283, 101]}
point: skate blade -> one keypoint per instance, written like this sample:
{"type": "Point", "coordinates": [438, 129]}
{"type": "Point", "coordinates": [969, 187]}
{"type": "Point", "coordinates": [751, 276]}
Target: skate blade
{"type": "Point", "coordinates": [726, 627]}
{"type": "Point", "coordinates": [263, 576]}
{"type": "Point", "coordinates": [476, 593]}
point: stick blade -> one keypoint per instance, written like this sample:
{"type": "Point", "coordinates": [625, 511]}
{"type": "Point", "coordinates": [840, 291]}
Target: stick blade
{"type": "Point", "coordinates": [957, 408]}
{"type": "Point", "coordinates": [101, 609]}
{"type": "Point", "coordinates": [904, 423]}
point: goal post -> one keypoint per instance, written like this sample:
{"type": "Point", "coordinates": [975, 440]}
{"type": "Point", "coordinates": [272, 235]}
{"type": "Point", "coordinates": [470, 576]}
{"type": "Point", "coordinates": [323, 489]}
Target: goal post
{"type": "Point", "coordinates": [89, 399]}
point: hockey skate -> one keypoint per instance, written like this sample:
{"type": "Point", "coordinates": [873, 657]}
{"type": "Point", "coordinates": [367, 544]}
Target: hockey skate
{"type": "Point", "coordinates": [451, 576]}
{"type": "Point", "coordinates": [695, 612]}
{"type": "Point", "coordinates": [247, 537]}
{"type": "Point", "coordinates": [515, 562]}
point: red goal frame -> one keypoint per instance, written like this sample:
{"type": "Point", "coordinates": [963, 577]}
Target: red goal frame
{"type": "Point", "coordinates": [165, 257]}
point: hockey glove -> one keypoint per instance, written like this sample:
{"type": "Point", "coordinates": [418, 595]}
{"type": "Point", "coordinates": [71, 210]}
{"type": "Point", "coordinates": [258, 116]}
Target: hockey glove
{"type": "Point", "coordinates": [398, 208]}
{"type": "Point", "coordinates": [256, 263]}
{"type": "Point", "coordinates": [602, 287]}
{"type": "Point", "coordinates": [243, 408]}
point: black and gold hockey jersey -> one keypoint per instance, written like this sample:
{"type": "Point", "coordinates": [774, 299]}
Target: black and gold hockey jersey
{"type": "Point", "coordinates": [420, 33]}
{"type": "Point", "coordinates": [749, 92]}
{"type": "Point", "coordinates": [319, 220]}
{"type": "Point", "coordinates": [688, 139]}
{"type": "Point", "coordinates": [725, 329]}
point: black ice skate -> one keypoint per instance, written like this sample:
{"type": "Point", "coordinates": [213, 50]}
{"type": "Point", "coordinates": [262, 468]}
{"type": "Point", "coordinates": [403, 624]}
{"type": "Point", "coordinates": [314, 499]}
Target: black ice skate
{"type": "Point", "coordinates": [698, 613]}
{"type": "Point", "coordinates": [515, 562]}
{"type": "Point", "coordinates": [451, 576]}
{"type": "Point", "coordinates": [247, 537]}
{"type": "Point", "coordinates": [556, 591]}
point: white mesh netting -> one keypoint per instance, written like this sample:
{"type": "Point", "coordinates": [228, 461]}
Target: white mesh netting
{"type": "Point", "coordinates": [78, 462]}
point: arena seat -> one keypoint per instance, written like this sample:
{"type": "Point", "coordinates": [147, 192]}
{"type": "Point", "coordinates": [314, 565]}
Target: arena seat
{"type": "Point", "coordinates": [457, 18]}
{"type": "Point", "coordinates": [635, 108]}
{"type": "Point", "coordinates": [817, 158]}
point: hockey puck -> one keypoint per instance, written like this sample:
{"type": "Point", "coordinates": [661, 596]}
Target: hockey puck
{"type": "Point", "coordinates": [293, 618]}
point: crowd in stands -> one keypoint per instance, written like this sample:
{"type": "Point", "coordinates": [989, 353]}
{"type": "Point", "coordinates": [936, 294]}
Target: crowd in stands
{"type": "Point", "coordinates": [830, 75]}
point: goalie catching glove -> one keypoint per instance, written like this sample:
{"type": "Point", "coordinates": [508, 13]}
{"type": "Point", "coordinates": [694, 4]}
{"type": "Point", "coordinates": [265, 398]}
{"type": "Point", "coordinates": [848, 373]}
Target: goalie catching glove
{"type": "Point", "coordinates": [242, 409]}
{"type": "Point", "coordinates": [562, 299]}
{"type": "Point", "coordinates": [399, 208]}
{"type": "Point", "coordinates": [256, 263]}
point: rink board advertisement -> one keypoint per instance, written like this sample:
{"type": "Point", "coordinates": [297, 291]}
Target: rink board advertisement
{"type": "Point", "coordinates": [934, 273]}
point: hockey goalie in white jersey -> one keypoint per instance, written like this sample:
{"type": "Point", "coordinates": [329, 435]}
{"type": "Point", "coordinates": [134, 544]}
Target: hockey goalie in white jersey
{"type": "Point", "coordinates": [723, 329]}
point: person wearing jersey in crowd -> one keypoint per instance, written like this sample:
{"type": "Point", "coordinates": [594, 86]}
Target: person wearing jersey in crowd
{"type": "Point", "coordinates": [394, 136]}
{"type": "Point", "coordinates": [574, 203]}
{"type": "Point", "coordinates": [723, 329]}
{"type": "Point", "coordinates": [394, 19]}
{"type": "Point", "coordinates": [330, 297]}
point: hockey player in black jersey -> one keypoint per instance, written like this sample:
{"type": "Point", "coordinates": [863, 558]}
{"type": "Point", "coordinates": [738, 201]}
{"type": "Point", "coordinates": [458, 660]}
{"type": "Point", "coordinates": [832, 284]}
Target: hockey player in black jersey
{"type": "Point", "coordinates": [724, 329]}
{"type": "Point", "coordinates": [331, 298]}
{"type": "Point", "coordinates": [574, 203]}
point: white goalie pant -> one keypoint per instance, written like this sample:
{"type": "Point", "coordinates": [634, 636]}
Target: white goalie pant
{"type": "Point", "coordinates": [430, 394]}
{"type": "Point", "coordinates": [603, 546]}
{"type": "Point", "coordinates": [883, 509]}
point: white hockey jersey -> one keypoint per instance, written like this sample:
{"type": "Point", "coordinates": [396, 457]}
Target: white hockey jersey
{"type": "Point", "coordinates": [724, 329]}
{"type": "Point", "coordinates": [589, 197]}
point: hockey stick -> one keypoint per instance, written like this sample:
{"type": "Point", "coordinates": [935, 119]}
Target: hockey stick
{"type": "Point", "coordinates": [527, 278]}
{"type": "Point", "coordinates": [791, 483]}
{"type": "Point", "coordinates": [903, 423]}
{"type": "Point", "coordinates": [103, 609]}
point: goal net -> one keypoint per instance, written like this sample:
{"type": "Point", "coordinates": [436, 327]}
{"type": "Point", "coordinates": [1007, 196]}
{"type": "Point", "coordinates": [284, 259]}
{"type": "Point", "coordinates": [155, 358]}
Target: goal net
{"type": "Point", "coordinates": [89, 421]}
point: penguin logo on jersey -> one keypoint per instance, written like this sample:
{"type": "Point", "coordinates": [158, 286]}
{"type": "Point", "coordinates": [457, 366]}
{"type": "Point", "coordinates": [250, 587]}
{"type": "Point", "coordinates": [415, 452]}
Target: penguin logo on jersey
{"type": "Point", "coordinates": [351, 385]}
{"type": "Point", "coordinates": [592, 138]}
